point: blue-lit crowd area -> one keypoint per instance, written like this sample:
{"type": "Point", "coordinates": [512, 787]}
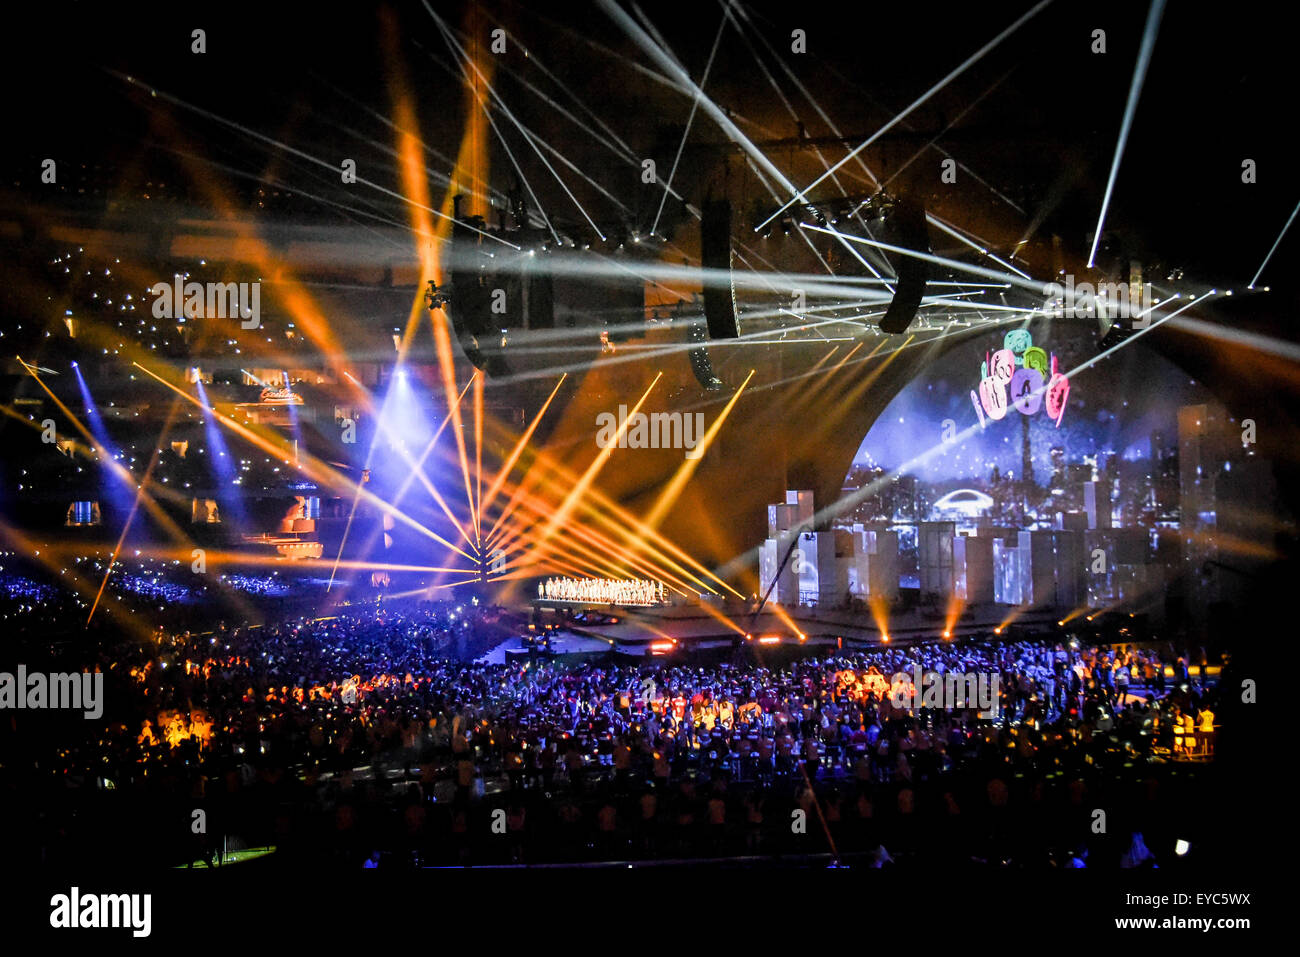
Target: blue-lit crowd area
{"type": "Point", "coordinates": [30, 600]}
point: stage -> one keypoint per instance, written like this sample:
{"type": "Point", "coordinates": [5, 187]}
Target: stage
{"type": "Point", "coordinates": [676, 628]}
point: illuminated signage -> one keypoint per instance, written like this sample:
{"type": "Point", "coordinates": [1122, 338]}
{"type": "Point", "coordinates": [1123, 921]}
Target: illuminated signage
{"type": "Point", "coordinates": [285, 396]}
{"type": "Point", "coordinates": [1022, 376]}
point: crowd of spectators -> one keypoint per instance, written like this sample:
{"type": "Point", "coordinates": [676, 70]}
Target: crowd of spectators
{"type": "Point", "coordinates": [365, 736]}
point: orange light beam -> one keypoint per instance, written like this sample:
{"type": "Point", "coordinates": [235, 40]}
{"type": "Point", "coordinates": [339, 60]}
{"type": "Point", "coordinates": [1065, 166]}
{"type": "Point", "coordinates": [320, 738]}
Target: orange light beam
{"type": "Point", "coordinates": [540, 508]}
{"type": "Point", "coordinates": [826, 358]}
{"type": "Point", "coordinates": [446, 365]}
{"type": "Point", "coordinates": [952, 614]}
{"type": "Point", "coordinates": [804, 397]}
{"type": "Point", "coordinates": [665, 554]}
{"type": "Point", "coordinates": [531, 479]}
{"type": "Point", "coordinates": [1015, 613]}
{"type": "Point", "coordinates": [879, 607]}
{"type": "Point", "coordinates": [1073, 615]}
{"type": "Point", "coordinates": [847, 356]}
{"type": "Point", "coordinates": [467, 581]}
{"type": "Point", "coordinates": [478, 457]}
{"type": "Point", "coordinates": [241, 558]}
{"type": "Point", "coordinates": [562, 476]}
{"type": "Point", "coordinates": [668, 497]}
{"type": "Point", "coordinates": [415, 187]}
{"type": "Point", "coordinates": [600, 543]}
{"type": "Point", "coordinates": [786, 620]}
{"type": "Point", "coordinates": [513, 457]}
{"type": "Point", "coordinates": [706, 607]}
{"type": "Point", "coordinates": [602, 457]}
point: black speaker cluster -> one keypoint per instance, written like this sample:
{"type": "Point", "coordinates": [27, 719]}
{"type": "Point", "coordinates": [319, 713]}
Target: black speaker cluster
{"type": "Point", "coordinates": [905, 227]}
{"type": "Point", "coordinates": [701, 365]}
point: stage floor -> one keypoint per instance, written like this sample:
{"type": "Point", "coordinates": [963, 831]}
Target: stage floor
{"type": "Point", "coordinates": [663, 629]}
